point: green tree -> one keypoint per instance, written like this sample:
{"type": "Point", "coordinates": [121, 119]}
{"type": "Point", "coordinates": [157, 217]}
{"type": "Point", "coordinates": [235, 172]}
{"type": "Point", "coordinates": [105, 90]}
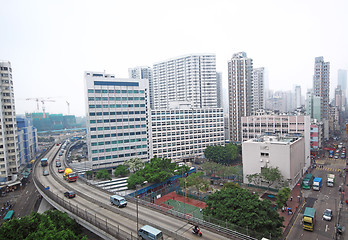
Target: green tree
{"type": "Point", "coordinates": [121, 170]}
{"type": "Point", "coordinates": [89, 174]}
{"type": "Point", "coordinates": [282, 196]}
{"type": "Point", "coordinates": [238, 206]}
{"type": "Point", "coordinates": [134, 180]}
{"type": "Point", "coordinates": [197, 180]}
{"type": "Point", "coordinates": [134, 164]}
{"type": "Point", "coordinates": [103, 174]}
{"type": "Point", "coordinates": [254, 178]}
{"type": "Point", "coordinates": [222, 154]}
{"type": "Point", "coordinates": [271, 175]}
{"type": "Point", "coordinates": [50, 225]}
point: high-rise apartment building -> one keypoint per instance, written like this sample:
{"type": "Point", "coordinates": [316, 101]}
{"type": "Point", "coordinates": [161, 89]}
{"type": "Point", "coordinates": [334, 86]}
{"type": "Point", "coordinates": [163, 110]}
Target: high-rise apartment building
{"type": "Point", "coordinates": [219, 90]}
{"type": "Point", "coordinates": [339, 98]}
{"type": "Point", "coordinates": [313, 108]}
{"type": "Point", "coordinates": [240, 77]}
{"type": "Point", "coordinates": [28, 144]}
{"type": "Point", "coordinates": [143, 73]}
{"type": "Point", "coordinates": [321, 84]}
{"type": "Point", "coordinates": [298, 96]}
{"type": "Point", "coordinates": [9, 153]}
{"type": "Point", "coordinates": [190, 78]}
{"type": "Point", "coordinates": [258, 89]}
{"type": "Point", "coordinates": [116, 119]}
{"type": "Point", "coordinates": [342, 79]}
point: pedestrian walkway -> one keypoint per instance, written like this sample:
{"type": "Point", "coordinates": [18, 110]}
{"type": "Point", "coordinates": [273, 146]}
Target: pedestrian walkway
{"type": "Point", "coordinates": [328, 169]}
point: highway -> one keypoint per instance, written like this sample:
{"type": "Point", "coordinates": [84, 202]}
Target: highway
{"type": "Point", "coordinates": [96, 203]}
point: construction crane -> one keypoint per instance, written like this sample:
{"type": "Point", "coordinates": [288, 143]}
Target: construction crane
{"type": "Point", "coordinates": [42, 100]}
{"type": "Point", "coordinates": [68, 107]}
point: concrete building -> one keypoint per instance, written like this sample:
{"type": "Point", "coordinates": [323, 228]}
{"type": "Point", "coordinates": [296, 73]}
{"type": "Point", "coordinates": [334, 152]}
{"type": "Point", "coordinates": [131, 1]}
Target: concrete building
{"type": "Point", "coordinates": [190, 78]}
{"type": "Point", "coordinates": [182, 133]}
{"type": "Point", "coordinates": [258, 89]}
{"type": "Point", "coordinates": [298, 96]}
{"type": "Point", "coordinates": [342, 79]}
{"type": "Point", "coordinates": [317, 136]}
{"type": "Point", "coordinates": [280, 125]}
{"type": "Point", "coordinates": [219, 92]}
{"type": "Point", "coordinates": [240, 78]}
{"type": "Point", "coordinates": [9, 152]}
{"type": "Point", "coordinates": [28, 143]}
{"type": "Point", "coordinates": [285, 153]}
{"type": "Point", "coordinates": [321, 85]}
{"type": "Point", "coordinates": [116, 119]}
{"type": "Point", "coordinates": [339, 98]}
{"type": "Point", "coordinates": [143, 73]}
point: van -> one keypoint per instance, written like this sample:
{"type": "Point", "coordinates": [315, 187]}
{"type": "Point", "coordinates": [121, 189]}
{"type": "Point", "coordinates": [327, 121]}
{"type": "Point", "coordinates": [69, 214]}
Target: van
{"type": "Point", "coordinates": [150, 233]}
{"type": "Point", "coordinates": [118, 201]}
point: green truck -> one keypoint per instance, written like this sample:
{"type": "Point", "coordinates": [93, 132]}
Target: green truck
{"type": "Point", "coordinates": [307, 181]}
{"type": "Point", "coordinates": [309, 219]}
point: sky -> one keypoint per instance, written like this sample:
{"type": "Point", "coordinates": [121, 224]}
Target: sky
{"type": "Point", "coordinates": [50, 44]}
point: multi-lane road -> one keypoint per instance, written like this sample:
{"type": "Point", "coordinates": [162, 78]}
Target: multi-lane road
{"type": "Point", "coordinates": [123, 218]}
{"type": "Point", "coordinates": [327, 197]}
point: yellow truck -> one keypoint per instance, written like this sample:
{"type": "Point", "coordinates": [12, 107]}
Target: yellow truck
{"type": "Point", "coordinates": [309, 219]}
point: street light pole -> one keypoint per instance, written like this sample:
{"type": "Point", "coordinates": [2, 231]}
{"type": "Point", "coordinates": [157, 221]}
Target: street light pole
{"type": "Point", "coordinates": [137, 214]}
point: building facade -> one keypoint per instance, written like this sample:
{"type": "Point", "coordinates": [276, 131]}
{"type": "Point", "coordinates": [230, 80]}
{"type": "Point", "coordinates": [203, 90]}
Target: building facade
{"type": "Point", "coordinates": [240, 77]}
{"type": "Point", "coordinates": [28, 143]}
{"type": "Point", "coordinates": [116, 119]}
{"type": "Point", "coordinates": [286, 154]}
{"type": "Point", "coordinates": [321, 85]}
{"type": "Point", "coordinates": [342, 79]}
{"type": "Point", "coordinates": [298, 97]}
{"type": "Point", "coordinates": [281, 125]}
{"type": "Point", "coordinates": [258, 89]}
{"type": "Point", "coordinates": [190, 78]}
{"type": "Point", "coordinates": [313, 104]}
{"type": "Point", "coordinates": [183, 133]}
{"type": "Point", "coordinates": [143, 73]}
{"type": "Point", "coordinates": [219, 91]}
{"type": "Point", "coordinates": [9, 152]}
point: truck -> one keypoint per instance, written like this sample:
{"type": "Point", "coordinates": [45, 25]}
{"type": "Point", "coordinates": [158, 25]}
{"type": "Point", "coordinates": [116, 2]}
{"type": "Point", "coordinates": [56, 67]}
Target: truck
{"type": "Point", "coordinates": [330, 180]}
{"type": "Point", "coordinates": [70, 175]}
{"type": "Point", "coordinates": [44, 162]}
{"type": "Point", "coordinates": [317, 183]}
{"type": "Point", "coordinates": [307, 181]}
{"type": "Point", "coordinates": [331, 153]}
{"type": "Point", "coordinates": [309, 219]}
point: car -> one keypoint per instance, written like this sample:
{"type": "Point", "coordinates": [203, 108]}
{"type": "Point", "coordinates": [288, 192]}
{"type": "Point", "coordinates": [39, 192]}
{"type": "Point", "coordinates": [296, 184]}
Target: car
{"type": "Point", "coordinates": [327, 215]}
{"type": "Point", "coordinates": [60, 170]}
{"type": "Point", "coordinates": [69, 194]}
{"type": "Point", "coordinates": [58, 164]}
{"type": "Point", "coordinates": [45, 172]}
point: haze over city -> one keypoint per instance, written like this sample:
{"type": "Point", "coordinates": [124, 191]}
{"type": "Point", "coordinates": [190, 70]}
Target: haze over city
{"type": "Point", "coordinates": [51, 44]}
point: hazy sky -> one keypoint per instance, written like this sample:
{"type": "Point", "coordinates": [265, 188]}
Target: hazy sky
{"type": "Point", "coordinates": [51, 43]}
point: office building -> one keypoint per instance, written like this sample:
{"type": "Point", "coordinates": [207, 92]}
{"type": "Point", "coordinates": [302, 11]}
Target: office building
{"type": "Point", "coordinates": [258, 89]}
{"type": "Point", "coordinates": [219, 90]}
{"type": "Point", "coordinates": [9, 152]}
{"type": "Point", "coordinates": [240, 76]}
{"type": "Point", "coordinates": [116, 119]}
{"type": "Point", "coordinates": [143, 73]}
{"type": "Point", "coordinates": [28, 143]}
{"type": "Point", "coordinates": [280, 125]}
{"type": "Point", "coordinates": [321, 85]}
{"type": "Point", "coordinates": [284, 153]}
{"type": "Point", "coordinates": [182, 133]}
{"type": "Point", "coordinates": [190, 78]}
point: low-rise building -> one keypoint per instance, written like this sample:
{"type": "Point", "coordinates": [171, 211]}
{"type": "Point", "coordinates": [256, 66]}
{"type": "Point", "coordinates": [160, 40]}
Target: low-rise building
{"type": "Point", "coordinates": [286, 153]}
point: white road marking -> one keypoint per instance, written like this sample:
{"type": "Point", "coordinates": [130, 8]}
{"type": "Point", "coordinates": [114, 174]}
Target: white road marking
{"type": "Point", "coordinates": [326, 228]}
{"type": "Point", "coordinates": [26, 192]}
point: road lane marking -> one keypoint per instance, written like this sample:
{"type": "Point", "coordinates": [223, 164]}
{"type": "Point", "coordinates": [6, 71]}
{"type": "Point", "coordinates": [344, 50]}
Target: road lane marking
{"type": "Point", "coordinates": [26, 192]}
{"type": "Point", "coordinates": [326, 228]}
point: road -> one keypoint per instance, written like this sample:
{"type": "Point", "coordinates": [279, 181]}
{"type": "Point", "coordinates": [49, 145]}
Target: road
{"type": "Point", "coordinates": [124, 218]}
{"type": "Point", "coordinates": [327, 197]}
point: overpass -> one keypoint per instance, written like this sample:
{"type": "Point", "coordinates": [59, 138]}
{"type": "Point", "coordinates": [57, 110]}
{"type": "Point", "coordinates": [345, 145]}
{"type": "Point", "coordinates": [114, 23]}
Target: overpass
{"type": "Point", "coordinates": [92, 209]}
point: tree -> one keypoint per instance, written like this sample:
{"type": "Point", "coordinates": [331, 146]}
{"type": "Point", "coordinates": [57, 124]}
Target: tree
{"type": "Point", "coordinates": [254, 178]}
{"type": "Point", "coordinates": [89, 174]}
{"type": "Point", "coordinates": [121, 170]}
{"type": "Point", "coordinates": [50, 225]}
{"type": "Point", "coordinates": [282, 196]}
{"type": "Point", "coordinates": [103, 174]}
{"type": "Point", "coordinates": [271, 175]}
{"type": "Point", "coordinates": [238, 206]}
{"type": "Point", "coordinates": [134, 164]}
{"type": "Point", "coordinates": [197, 180]}
{"type": "Point", "coordinates": [134, 180]}
{"type": "Point", "coordinates": [222, 154]}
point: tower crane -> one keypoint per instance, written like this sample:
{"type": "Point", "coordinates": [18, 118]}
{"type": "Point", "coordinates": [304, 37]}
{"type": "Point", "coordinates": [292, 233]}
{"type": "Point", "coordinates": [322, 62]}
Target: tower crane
{"type": "Point", "coordinates": [68, 107]}
{"type": "Point", "coordinates": [42, 100]}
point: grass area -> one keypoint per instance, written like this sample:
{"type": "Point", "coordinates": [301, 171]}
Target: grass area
{"type": "Point", "coordinates": [184, 207]}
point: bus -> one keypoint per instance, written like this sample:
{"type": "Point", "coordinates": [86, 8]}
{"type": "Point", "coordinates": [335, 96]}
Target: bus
{"type": "Point", "coordinates": [9, 215]}
{"type": "Point", "coordinates": [44, 162]}
{"type": "Point", "coordinates": [307, 181]}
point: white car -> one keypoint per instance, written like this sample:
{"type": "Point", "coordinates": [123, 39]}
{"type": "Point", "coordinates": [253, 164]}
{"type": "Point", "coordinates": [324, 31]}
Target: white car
{"type": "Point", "coordinates": [327, 215]}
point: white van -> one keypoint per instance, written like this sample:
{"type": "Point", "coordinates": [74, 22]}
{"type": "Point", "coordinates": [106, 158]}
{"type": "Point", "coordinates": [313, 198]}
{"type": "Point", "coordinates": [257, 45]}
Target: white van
{"type": "Point", "coordinates": [118, 201]}
{"type": "Point", "coordinates": [150, 233]}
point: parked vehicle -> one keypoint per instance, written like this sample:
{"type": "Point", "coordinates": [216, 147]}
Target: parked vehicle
{"type": "Point", "coordinates": [70, 194]}
{"type": "Point", "coordinates": [331, 153]}
{"type": "Point", "coordinates": [44, 162]}
{"type": "Point", "coordinates": [317, 183]}
{"type": "Point", "coordinates": [118, 201]}
{"type": "Point", "coordinates": [150, 233]}
{"type": "Point", "coordinates": [309, 219]}
{"type": "Point", "coordinates": [330, 181]}
{"type": "Point", "coordinates": [327, 215]}
{"type": "Point", "coordinates": [69, 175]}
{"type": "Point", "coordinates": [307, 181]}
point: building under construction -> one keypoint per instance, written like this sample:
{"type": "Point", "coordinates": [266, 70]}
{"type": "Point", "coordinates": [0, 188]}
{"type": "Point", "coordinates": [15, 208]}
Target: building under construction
{"type": "Point", "coordinates": [47, 122]}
